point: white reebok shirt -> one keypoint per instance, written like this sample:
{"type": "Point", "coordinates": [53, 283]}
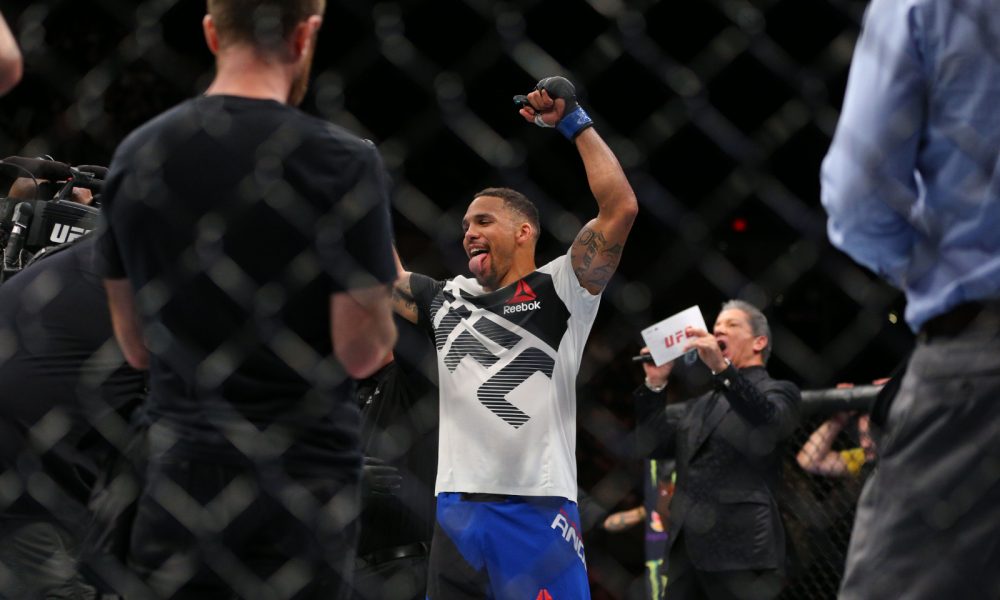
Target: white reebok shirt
{"type": "Point", "coordinates": [507, 366]}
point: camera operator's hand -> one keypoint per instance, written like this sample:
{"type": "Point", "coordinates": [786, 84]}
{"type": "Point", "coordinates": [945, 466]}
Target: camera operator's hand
{"type": "Point", "coordinates": [83, 196]}
{"type": "Point", "coordinates": [656, 377]}
{"type": "Point", "coordinates": [553, 104]}
{"type": "Point", "coordinates": [24, 187]}
{"type": "Point", "coordinates": [378, 478]}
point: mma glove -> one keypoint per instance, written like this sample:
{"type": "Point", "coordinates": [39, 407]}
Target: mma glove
{"type": "Point", "coordinates": [574, 119]}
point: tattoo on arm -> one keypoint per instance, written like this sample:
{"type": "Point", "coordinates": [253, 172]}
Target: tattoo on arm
{"type": "Point", "coordinates": [614, 251]}
{"type": "Point", "coordinates": [601, 275]}
{"type": "Point", "coordinates": [592, 240]}
{"type": "Point", "coordinates": [595, 259]}
{"type": "Point", "coordinates": [403, 302]}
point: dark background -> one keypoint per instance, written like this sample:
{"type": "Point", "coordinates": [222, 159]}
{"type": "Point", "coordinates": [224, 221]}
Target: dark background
{"type": "Point", "coordinates": [719, 110]}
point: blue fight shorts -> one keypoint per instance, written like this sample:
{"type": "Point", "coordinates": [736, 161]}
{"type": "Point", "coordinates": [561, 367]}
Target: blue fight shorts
{"type": "Point", "coordinates": [507, 548]}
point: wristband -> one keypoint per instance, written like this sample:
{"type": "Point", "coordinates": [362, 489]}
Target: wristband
{"type": "Point", "coordinates": [655, 388]}
{"type": "Point", "coordinates": [728, 363]}
{"type": "Point", "coordinates": [575, 122]}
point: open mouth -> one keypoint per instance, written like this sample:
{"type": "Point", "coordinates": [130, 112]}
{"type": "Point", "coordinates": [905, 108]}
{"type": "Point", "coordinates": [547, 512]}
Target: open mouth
{"type": "Point", "coordinates": [722, 345]}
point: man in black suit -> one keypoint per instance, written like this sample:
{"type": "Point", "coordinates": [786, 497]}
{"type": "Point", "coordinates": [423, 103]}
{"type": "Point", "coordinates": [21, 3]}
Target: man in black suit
{"type": "Point", "coordinates": [726, 539]}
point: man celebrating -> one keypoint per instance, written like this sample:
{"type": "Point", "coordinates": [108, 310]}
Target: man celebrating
{"type": "Point", "coordinates": [509, 345]}
{"type": "Point", "coordinates": [256, 241]}
{"type": "Point", "coordinates": [725, 539]}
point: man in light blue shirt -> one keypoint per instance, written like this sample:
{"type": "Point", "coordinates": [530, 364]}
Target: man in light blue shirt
{"type": "Point", "coordinates": [912, 187]}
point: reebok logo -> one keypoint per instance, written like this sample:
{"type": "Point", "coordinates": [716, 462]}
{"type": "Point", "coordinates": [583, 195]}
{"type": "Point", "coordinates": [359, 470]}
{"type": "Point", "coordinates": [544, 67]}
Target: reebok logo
{"type": "Point", "coordinates": [523, 293]}
{"type": "Point", "coordinates": [544, 594]}
{"type": "Point", "coordinates": [516, 308]}
{"type": "Point", "coordinates": [524, 299]}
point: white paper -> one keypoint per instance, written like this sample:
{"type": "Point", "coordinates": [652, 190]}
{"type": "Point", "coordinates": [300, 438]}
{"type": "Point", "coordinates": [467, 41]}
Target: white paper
{"type": "Point", "coordinates": [666, 339]}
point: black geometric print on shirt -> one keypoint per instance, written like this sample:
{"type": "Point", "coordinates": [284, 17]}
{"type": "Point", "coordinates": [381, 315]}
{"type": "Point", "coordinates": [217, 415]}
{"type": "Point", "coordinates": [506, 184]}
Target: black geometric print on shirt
{"type": "Point", "coordinates": [448, 324]}
{"type": "Point", "coordinates": [498, 334]}
{"type": "Point", "coordinates": [466, 344]}
{"type": "Point", "coordinates": [439, 299]}
{"type": "Point", "coordinates": [493, 393]}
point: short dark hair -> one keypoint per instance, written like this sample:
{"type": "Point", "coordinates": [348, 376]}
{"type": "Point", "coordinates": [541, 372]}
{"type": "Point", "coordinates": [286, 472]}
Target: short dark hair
{"type": "Point", "coordinates": [517, 202]}
{"type": "Point", "coordinates": [264, 24]}
{"type": "Point", "coordinates": [758, 323]}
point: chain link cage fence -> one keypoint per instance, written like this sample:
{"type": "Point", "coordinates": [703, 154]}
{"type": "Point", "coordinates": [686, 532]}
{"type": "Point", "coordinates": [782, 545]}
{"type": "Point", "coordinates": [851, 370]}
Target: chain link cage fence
{"type": "Point", "coordinates": [719, 110]}
{"type": "Point", "coordinates": [829, 458]}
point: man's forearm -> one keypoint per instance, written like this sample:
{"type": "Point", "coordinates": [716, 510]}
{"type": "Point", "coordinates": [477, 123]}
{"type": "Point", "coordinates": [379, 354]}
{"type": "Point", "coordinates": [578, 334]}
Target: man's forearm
{"type": "Point", "coordinates": [759, 408]}
{"type": "Point", "coordinates": [605, 176]}
{"type": "Point", "coordinates": [598, 247]}
{"type": "Point", "coordinates": [363, 331]}
{"type": "Point", "coordinates": [818, 446]}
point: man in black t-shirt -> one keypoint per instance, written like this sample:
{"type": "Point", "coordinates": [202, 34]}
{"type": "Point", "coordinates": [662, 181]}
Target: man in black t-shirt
{"type": "Point", "coordinates": [247, 260]}
{"type": "Point", "coordinates": [65, 388]}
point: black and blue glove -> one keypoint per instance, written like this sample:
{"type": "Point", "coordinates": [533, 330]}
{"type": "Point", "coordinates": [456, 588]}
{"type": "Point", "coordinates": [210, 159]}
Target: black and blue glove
{"type": "Point", "coordinates": [574, 119]}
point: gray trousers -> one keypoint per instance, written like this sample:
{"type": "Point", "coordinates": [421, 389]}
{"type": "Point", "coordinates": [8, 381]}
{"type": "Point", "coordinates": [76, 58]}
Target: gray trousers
{"type": "Point", "coordinates": [928, 521]}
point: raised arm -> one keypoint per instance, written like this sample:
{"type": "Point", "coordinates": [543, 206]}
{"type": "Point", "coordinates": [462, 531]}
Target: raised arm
{"type": "Point", "coordinates": [402, 294]}
{"type": "Point", "coordinates": [775, 405]}
{"type": "Point", "coordinates": [598, 247]}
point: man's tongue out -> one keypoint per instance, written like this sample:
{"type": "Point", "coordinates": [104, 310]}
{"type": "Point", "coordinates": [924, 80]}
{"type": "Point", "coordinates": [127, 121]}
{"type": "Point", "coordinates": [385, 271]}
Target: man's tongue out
{"type": "Point", "coordinates": [477, 264]}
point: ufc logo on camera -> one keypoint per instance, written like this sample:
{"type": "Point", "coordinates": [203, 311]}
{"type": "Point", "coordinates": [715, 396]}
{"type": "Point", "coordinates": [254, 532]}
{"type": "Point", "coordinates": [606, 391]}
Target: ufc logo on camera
{"type": "Point", "coordinates": [66, 233]}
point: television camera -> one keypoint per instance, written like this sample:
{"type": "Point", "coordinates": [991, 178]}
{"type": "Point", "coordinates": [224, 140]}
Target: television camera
{"type": "Point", "coordinates": [46, 215]}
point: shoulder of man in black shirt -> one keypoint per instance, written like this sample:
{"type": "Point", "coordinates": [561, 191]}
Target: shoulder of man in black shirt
{"type": "Point", "coordinates": [63, 371]}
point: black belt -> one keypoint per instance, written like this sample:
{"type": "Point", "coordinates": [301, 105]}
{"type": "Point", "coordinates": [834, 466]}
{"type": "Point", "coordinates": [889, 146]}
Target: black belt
{"type": "Point", "coordinates": [479, 497]}
{"type": "Point", "coordinates": [385, 555]}
{"type": "Point", "coordinates": [956, 320]}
